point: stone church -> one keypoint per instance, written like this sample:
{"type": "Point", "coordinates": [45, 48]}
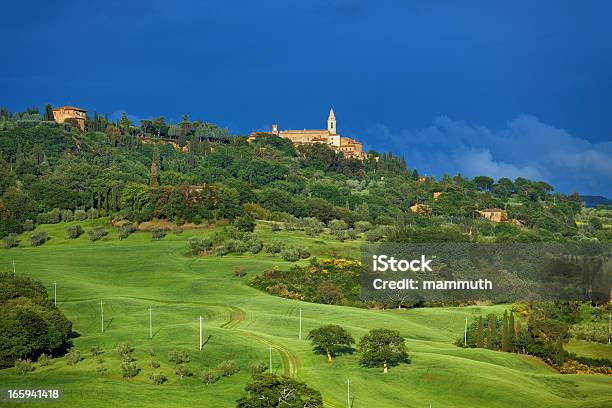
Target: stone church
{"type": "Point", "coordinates": [345, 145]}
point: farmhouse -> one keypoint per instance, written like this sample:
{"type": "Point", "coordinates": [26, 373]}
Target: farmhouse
{"type": "Point", "coordinates": [494, 214]}
{"type": "Point", "coordinates": [345, 145]}
{"type": "Point", "coordinates": [70, 114]}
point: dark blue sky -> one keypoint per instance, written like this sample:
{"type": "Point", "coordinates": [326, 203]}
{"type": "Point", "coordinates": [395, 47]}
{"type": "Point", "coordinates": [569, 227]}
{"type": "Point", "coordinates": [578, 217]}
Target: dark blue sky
{"type": "Point", "coordinates": [500, 88]}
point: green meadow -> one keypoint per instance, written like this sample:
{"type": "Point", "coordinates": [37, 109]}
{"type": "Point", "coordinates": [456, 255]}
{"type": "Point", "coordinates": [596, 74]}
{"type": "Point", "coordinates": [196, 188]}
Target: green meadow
{"type": "Point", "coordinates": [242, 323]}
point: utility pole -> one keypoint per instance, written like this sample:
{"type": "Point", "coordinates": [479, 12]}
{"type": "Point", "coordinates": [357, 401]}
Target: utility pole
{"type": "Point", "coordinates": [300, 324]}
{"type": "Point", "coordinates": [348, 393]}
{"type": "Point", "coordinates": [270, 354]}
{"type": "Point", "coordinates": [200, 333]}
{"type": "Point", "coordinates": [465, 332]}
{"type": "Point", "coordinates": [55, 293]}
{"type": "Point", "coordinates": [102, 314]}
{"type": "Point", "coordinates": [150, 322]}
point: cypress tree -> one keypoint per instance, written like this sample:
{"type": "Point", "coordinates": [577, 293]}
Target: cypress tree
{"type": "Point", "coordinates": [511, 331]}
{"type": "Point", "coordinates": [480, 333]}
{"type": "Point", "coordinates": [559, 352]}
{"type": "Point", "coordinates": [505, 346]}
{"type": "Point", "coordinates": [491, 335]}
{"type": "Point", "coordinates": [154, 181]}
{"type": "Point", "coordinates": [49, 113]}
{"type": "Point", "coordinates": [96, 125]}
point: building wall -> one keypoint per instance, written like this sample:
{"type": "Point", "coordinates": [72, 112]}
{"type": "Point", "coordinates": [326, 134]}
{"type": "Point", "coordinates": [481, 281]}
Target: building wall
{"type": "Point", "coordinates": [61, 114]}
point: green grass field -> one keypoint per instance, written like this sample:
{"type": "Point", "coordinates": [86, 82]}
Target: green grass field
{"type": "Point", "coordinates": [241, 323]}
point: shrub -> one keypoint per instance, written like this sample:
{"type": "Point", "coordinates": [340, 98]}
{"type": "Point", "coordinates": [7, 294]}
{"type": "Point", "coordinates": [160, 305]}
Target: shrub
{"type": "Point", "coordinates": [182, 371]}
{"type": "Point", "coordinates": [275, 226]}
{"type": "Point", "coordinates": [256, 247]}
{"type": "Point", "coordinates": [274, 247]}
{"type": "Point", "coordinates": [158, 378]}
{"type": "Point", "coordinates": [210, 376]}
{"type": "Point", "coordinates": [73, 356]}
{"type": "Point", "coordinates": [39, 238]}
{"type": "Point", "coordinates": [375, 234]}
{"type": "Point", "coordinates": [304, 252]}
{"type": "Point", "coordinates": [67, 216]}
{"type": "Point", "coordinates": [257, 367]}
{"type": "Point", "coordinates": [44, 360]}
{"type": "Point", "coordinates": [129, 369]}
{"type": "Point", "coordinates": [177, 230]}
{"type": "Point", "coordinates": [11, 241]}
{"type": "Point", "coordinates": [228, 368]}
{"type": "Point", "coordinates": [100, 367]}
{"type": "Point", "coordinates": [239, 272]}
{"type": "Point", "coordinates": [74, 231]}
{"type": "Point", "coordinates": [312, 226]}
{"type": "Point", "coordinates": [125, 230]}
{"type": "Point", "coordinates": [51, 217]}
{"type": "Point", "coordinates": [290, 254]}
{"type": "Point", "coordinates": [158, 233]}
{"type": "Point", "coordinates": [245, 223]}
{"type": "Point", "coordinates": [80, 215]}
{"type": "Point", "coordinates": [95, 351]}
{"type": "Point", "coordinates": [124, 349]}
{"type": "Point", "coordinates": [363, 226]}
{"type": "Point", "coordinates": [154, 363]}
{"type": "Point", "coordinates": [340, 235]}
{"type": "Point", "coordinates": [199, 245]}
{"type": "Point", "coordinates": [28, 225]}
{"type": "Point", "coordinates": [96, 233]}
{"type": "Point", "coordinates": [351, 233]}
{"type": "Point", "coordinates": [92, 214]}
{"type": "Point", "coordinates": [178, 357]}
{"type": "Point", "coordinates": [22, 367]}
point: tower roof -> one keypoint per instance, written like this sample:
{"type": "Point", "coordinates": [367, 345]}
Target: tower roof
{"type": "Point", "coordinates": [331, 114]}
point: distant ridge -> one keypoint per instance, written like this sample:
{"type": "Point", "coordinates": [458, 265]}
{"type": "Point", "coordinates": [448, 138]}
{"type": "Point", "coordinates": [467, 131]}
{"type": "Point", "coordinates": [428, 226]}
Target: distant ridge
{"type": "Point", "coordinates": [593, 201]}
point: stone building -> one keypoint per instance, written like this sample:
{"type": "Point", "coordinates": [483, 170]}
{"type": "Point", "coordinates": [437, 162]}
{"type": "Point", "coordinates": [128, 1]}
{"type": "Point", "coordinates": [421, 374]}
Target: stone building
{"type": "Point", "coordinates": [345, 145]}
{"type": "Point", "coordinates": [70, 114]}
{"type": "Point", "coordinates": [494, 214]}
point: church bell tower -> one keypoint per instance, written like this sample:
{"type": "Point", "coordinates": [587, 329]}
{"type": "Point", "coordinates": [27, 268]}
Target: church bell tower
{"type": "Point", "coordinates": [331, 123]}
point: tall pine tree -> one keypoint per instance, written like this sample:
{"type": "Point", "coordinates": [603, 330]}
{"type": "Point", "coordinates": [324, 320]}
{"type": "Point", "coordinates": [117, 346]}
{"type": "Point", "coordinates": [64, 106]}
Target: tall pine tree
{"type": "Point", "coordinates": [480, 338]}
{"type": "Point", "coordinates": [49, 113]}
{"type": "Point", "coordinates": [505, 346]}
{"type": "Point", "coordinates": [154, 182]}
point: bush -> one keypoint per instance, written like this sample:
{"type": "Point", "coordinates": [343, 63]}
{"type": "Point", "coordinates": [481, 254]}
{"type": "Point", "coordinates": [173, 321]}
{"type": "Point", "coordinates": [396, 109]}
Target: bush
{"type": "Point", "coordinates": [375, 235]}
{"type": "Point", "coordinates": [125, 230]}
{"type": "Point", "coordinates": [92, 214]}
{"type": "Point", "coordinates": [52, 217]}
{"type": "Point", "coordinates": [239, 272]}
{"type": "Point", "coordinates": [363, 226]}
{"type": "Point", "coordinates": [100, 368]}
{"type": "Point", "coordinates": [256, 247]}
{"type": "Point", "coordinates": [22, 367]}
{"type": "Point", "coordinates": [67, 216]}
{"type": "Point", "coordinates": [39, 238]}
{"type": "Point", "coordinates": [245, 223]}
{"type": "Point", "coordinates": [158, 378]}
{"type": "Point", "coordinates": [11, 241]}
{"type": "Point", "coordinates": [257, 367]}
{"type": "Point", "coordinates": [312, 226]}
{"type": "Point", "coordinates": [158, 233]}
{"type": "Point", "coordinates": [28, 225]}
{"type": "Point", "coordinates": [304, 252]}
{"type": "Point", "coordinates": [95, 351]}
{"type": "Point", "coordinates": [210, 376]}
{"type": "Point", "coordinates": [228, 368]}
{"type": "Point", "coordinates": [80, 215]}
{"type": "Point", "coordinates": [182, 371]}
{"type": "Point", "coordinates": [178, 357]}
{"type": "Point", "coordinates": [154, 363]}
{"type": "Point", "coordinates": [96, 233]}
{"type": "Point", "coordinates": [44, 360]}
{"type": "Point", "coordinates": [290, 254]}
{"type": "Point", "coordinates": [73, 356]}
{"type": "Point", "coordinates": [177, 230]}
{"type": "Point", "coordinates": [274, 247]}
{"type": "Point", "coordinates": [74, 231]}
{"type": "Point", "coordinates": [275, 226]}
{"type": "Point", "coordinates": [129, 369]}
{"type": "Point", "coordinates": [124, 349]}
{"type": "Point", "coordinates": [199, 245]}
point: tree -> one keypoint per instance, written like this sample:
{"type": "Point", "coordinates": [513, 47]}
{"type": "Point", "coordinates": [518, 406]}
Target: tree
{"type": "Point", "coordinates": [330, 339]}
{"type": "Point", "coordinates": [383, 347]}
{"type": "Point", "coordinates": [483, 183]}
{"type": "Point", "coordinates": [511, 331]}
{"type": "Point", "coordinates": [505, 346]}
{"type": "Point", "coordinates": [49, 113]}
{"type": "Point", "coordinates": [269, 390]}
{"type": "Point", "coordinates": [154, 175]}
{"type": "Point", "coordinates": [480, 333]}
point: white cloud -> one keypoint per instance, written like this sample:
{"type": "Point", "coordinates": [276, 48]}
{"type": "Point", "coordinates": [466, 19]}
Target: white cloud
{"type": "Point", "coordinates": [526, 148]}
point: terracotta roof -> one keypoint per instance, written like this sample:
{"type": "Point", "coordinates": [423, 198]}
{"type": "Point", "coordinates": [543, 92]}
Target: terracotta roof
{"type": "Point", "coordinates": [492, 210]}
{"type": "Point", "coordinates": [69, 108]}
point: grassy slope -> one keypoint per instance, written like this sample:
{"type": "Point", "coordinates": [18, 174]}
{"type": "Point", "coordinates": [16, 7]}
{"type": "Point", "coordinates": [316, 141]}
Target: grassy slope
{"type": "Point", "coordinates": [241, 322]}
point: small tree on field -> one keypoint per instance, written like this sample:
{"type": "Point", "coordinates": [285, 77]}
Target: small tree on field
{"type": "Point", "coordinates": [269, 390]}
{"type": "Point", "coordinates": [182, 371]}
{"type": "Point", "coordinates": [383, 347]}
{"type": "Point", "coordinates": [74, 231]}
{"type": "Point", "coordinates": [158, 233]}
{"type": "Point", "coordinates": [39, 238]}
{"type": "Point", "coordinates": [228, 368]}
{"type": "Point", "coordinates": [11, 241]}
{"type": "Point", "coordinates": [158, 378]}
{"type": "Point", "coordinates": [73, 356]}
{"type": "Point", "coordinates": [129, 369]}
{"type": "Point", "coordinates": [178, 357]}
{"type": "Point", "coordinates": [210, 376]}
{"type": "Point", "coordinates": [96, 233]}
{"type": "Point", "coordinates": [330, 338]}
{"type": "Point", "coordinates": [22, 367]}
